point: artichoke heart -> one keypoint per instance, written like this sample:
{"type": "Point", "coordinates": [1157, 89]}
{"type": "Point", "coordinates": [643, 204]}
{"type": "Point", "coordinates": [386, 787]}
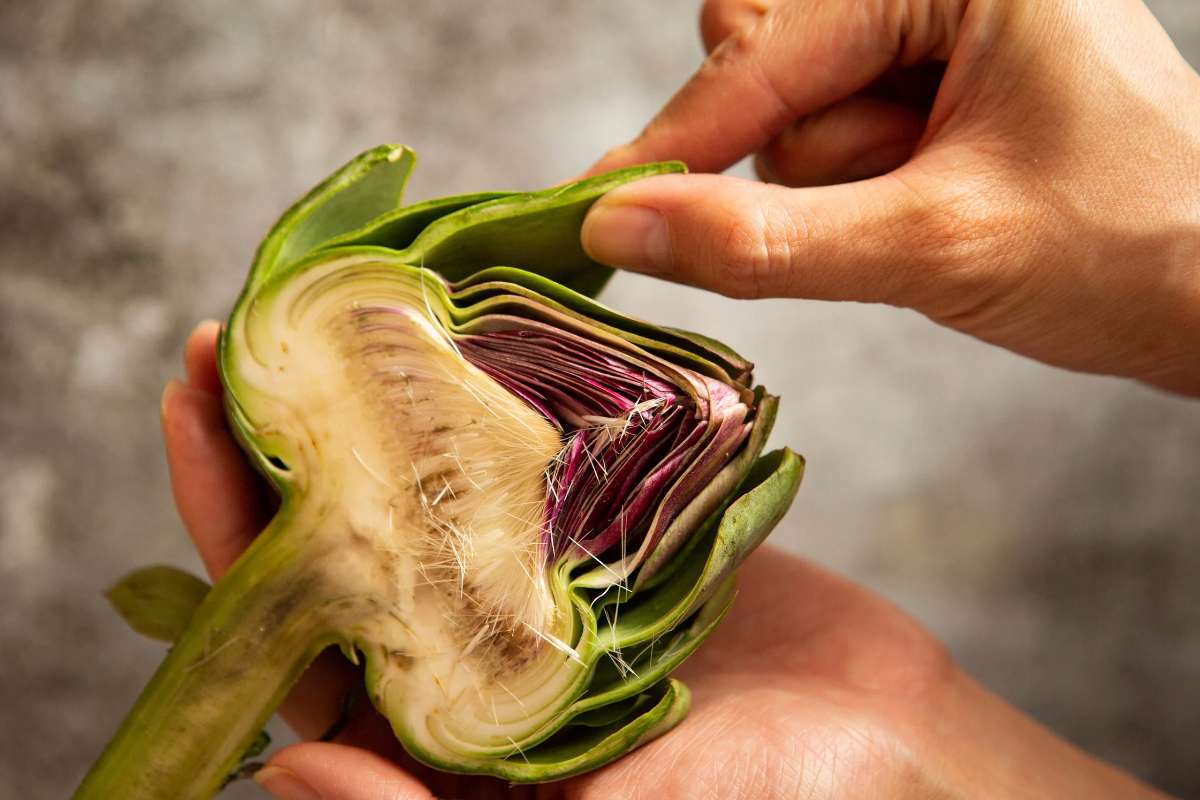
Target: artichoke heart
{"type": "Point", "coordinates": [520, 509]}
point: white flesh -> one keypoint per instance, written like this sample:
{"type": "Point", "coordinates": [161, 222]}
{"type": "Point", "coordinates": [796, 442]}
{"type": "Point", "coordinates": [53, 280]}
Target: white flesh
{"type": "Point", "coordinates": [425, 481]}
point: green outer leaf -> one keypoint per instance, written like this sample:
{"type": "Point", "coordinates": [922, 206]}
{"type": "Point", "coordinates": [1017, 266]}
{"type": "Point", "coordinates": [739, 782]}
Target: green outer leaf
{"type": "Point", "coordinates": [609, 714]}
{"type": "Point", "coordinates": [538, 231]}
{"type": "Point", "coordinates": [582, 748]}
{"type": "Point", "coordinates": [457, 236]}
{"type": "Point", "coordinates": [158, 601]}
{"type": "Point", "coordinates": [654, 660]}
{"type": "Point", "coordinates": [775, 479]}
{"type": "Point", "coordinates": [369, 185]}
{"type": "Point", "coordinates": [397, 229]}
{"type": "Point", "coordinates": [374, 191]}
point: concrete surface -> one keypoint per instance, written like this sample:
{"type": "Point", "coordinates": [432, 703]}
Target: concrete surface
{"type": "Point", "coordinates": [1044, 524]}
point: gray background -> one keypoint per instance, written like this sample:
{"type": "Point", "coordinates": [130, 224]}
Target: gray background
{"type": "Point", "coordinates": [1042, 523]}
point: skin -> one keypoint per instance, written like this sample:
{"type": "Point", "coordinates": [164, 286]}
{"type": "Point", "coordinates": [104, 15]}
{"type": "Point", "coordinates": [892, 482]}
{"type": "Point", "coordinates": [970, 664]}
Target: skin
{"type": "Point", "coordinates": [813, 687]}
{"type": "Point", "coordinates": [1019, 171]}
{"type": "Point", "coordinates": [1024, 171]}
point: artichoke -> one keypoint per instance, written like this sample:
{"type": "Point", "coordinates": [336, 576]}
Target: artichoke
{"type": "Point", "coordinates": [520, 509]}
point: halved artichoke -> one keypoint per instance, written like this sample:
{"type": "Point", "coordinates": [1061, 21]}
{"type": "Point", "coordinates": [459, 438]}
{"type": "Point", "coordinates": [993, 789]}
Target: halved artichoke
{"type": "Point", "coordinates": [520, 508]}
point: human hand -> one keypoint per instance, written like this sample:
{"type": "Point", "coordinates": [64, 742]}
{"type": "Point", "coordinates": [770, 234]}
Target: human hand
{"type": "Point", "coordinates": [1047, 200]}
{"type": "Point", "coordinates": [811, 687]}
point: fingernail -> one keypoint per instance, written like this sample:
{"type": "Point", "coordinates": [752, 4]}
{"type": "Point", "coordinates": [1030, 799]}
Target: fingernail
{"type": "Point", "coordinates": [169, 391]}
{"type": "Point", "coordinates": [284, 784]}
{"type": "Point", "coordinates": [629, 236]}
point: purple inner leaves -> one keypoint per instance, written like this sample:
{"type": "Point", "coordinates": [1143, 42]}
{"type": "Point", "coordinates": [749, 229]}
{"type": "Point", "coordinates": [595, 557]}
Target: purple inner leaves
{"type": "Point", "coordinates": [640, 438]}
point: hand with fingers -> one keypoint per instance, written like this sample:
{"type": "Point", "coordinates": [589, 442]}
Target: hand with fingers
{"type": "Point", "coordinates": [1024, 172]}
{"type": "Point", "coordinates": [813, 687]}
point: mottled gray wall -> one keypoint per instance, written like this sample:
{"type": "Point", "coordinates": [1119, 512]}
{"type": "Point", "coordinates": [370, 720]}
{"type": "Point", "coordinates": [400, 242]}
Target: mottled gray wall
{"type": "Point", "coordinates": [1044, 524]}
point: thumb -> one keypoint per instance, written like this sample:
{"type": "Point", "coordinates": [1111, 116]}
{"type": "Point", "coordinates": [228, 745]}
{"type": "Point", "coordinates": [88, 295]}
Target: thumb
{"type": "Point", "coordinates": [868, 241]}
{"type": "Point", "coordinates": [326, 771]}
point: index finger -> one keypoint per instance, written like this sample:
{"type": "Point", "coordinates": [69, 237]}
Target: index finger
{"type": "Point", "coordinates": [793, 60]}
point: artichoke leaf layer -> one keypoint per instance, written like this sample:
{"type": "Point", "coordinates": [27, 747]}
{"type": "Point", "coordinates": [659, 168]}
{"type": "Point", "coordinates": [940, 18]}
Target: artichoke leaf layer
{"type": "Point", "coordinates": [520, 508]}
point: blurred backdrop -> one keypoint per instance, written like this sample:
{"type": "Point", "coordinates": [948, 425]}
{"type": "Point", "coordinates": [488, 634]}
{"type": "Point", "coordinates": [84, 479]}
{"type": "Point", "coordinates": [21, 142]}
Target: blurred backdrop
{"type": "Point", "coordinates": [1045, 524]}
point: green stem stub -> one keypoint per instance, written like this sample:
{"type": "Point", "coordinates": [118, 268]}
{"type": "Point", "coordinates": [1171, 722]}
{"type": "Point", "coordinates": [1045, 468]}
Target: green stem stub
{"type": "Point", "coordinates": [522, 508]}
{"type": "Point", "coordinates": [246, 644]}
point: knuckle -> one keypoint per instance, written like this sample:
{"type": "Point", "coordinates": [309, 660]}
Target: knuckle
{"type": "Point", "coordinates": [720, 18]}
{"type": "Point", "coordinates": [712, 22]}
{"type": "Point", "coordinates": [741, 46]}
{"type": "Point", "coordinates": [759, 249]}
{"type": "Point", "coordinates": [923, 30]}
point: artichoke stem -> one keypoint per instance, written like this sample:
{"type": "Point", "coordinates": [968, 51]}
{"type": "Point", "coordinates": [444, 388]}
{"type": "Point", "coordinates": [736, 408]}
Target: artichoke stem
{"type": "Point", "coordinates": [248, 642]}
